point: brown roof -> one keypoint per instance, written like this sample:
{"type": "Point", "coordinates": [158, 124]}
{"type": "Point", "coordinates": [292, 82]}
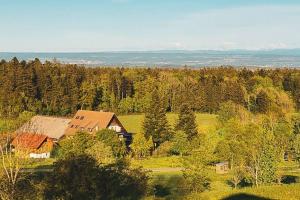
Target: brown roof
{"type": "Point", "coordinates": [89, 120]}
{"type": "Point", "coordinates": [53, 127]}
{"type": "Point", "coordinates": [28, 140]}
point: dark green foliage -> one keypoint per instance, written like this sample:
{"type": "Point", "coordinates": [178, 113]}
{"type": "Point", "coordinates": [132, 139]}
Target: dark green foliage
{"type": "Point", "coordinates": [187, 121]}
{"type": "Point", "coordinates": [296, 124]}
{"type": "Point", "coordinates": [72, 178]}
{"type": "Point", "coordinates": [111, 139]}
{"type": "Point", "coordinates": [79, 177]}
{"type": "Point", "coordinates": [263, 102]}
{"type": "Point", "coordinates": [155, 124]}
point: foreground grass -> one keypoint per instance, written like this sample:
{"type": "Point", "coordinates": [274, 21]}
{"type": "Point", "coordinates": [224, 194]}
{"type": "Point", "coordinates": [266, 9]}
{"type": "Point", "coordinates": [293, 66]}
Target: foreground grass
{"type": "Point", "coordinates": [284, 192]}
{"type": "Point", "coordinates": [133, 123]}
{"type": "Point", "coordinates": [167, 185]}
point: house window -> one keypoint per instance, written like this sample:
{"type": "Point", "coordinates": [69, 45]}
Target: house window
{"type": "Point", "coordinates": [72, 126]}
{"type": "Point", "coordinates": [81, 118]}
{"type": "Point", "coordinates": [115, 128]}
{"type": "Point", "coordinates": [77, 117]}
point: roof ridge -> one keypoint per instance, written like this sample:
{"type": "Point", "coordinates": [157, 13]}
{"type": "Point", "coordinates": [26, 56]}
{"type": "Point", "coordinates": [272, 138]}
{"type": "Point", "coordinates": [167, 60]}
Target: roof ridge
{"type": "Point", "coordinates": [50, 116]}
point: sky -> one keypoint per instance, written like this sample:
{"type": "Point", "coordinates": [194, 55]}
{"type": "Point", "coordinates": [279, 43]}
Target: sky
{"type": "Point", "coordinates": [141, 25]}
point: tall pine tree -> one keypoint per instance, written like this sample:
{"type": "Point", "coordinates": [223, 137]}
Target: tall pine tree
{"type": "Point", "coordinates": [187, 121]}
{"type": "Point", "coordinates": [155, 123]}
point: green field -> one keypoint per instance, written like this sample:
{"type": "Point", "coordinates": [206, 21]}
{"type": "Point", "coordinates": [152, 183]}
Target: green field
{"type": "Point", "coordinates": [133, 123]}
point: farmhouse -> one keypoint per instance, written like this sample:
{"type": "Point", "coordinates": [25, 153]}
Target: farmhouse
{"type": "Point", "coordinates": [38, 136]}
{"type": "Point", "coordinates": [52, 127]}
{"type": "Point", "coordinates": [33, 145]}
{"type": "Point", "coordinates": [92, 121]}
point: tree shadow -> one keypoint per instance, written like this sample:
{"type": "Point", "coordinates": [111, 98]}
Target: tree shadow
{"type": "Point", "coordinates": [289, 179]}
{"type": "Point", "coordinates": [242, 184]}
{"type": "Point", "coordinates": [168, 187]}
{"type": "Point", "coordinates": [244, 196]}
{"type": "Point", "coordinates": [161, 190]}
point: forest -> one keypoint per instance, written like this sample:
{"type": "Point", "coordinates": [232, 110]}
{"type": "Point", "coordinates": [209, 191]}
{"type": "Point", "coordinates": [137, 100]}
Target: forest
{"type": "Point", "coordinates": [58, 89]}
{"type": "Point", "coordinates": [184, 121]}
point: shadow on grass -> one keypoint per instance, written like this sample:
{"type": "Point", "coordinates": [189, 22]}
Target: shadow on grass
{"type": "Point", "coordinates": [289, 179]}
{"type": "Point", "coordinates": [167, 187]}
{"type": "Point", "coordinates": [161, 190]}
{"type": "Point", "coordinates": [242, 184]}
{"type": "Point", "coordinates": [244, 196]}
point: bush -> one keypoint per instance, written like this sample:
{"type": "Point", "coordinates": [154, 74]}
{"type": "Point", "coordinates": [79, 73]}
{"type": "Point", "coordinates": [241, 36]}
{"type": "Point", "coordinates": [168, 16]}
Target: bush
{"type": "Point", "coordinates": [75, 145]}
{"type": "Point", "coordinates": [101, 153]}
{"type": "Point", "coordinates": [165, 149]}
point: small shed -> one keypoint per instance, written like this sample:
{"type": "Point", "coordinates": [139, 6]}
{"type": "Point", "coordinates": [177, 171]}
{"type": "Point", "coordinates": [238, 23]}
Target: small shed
{"type": "Point", "coordinates": [222, 168]}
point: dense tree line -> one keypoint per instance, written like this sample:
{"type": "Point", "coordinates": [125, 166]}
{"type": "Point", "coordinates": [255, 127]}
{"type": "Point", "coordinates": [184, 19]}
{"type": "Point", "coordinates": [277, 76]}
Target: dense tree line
{"type": "Point", "coordinates": [58, 89]}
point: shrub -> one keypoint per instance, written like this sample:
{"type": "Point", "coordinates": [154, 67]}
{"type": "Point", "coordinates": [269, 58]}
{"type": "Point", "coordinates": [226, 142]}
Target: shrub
{"type": "Point", "coordinates": [164, 149]}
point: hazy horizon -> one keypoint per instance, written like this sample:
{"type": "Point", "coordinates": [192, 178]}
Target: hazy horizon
{"type": "Point", "coordinates": [168, 58]}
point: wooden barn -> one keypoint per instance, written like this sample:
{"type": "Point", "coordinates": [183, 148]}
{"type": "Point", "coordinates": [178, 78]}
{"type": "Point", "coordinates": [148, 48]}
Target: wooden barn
{"type": "Point", "coordinates": [33, 145]}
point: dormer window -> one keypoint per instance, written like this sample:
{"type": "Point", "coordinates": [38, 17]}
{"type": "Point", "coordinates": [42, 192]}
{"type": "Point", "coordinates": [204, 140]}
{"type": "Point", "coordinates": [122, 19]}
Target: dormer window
{"type": "Point", "coordinates": [81, 118]}
{"type": "Point", "coordinates": [72, 126]}
{"type": "Point", "coordinates": [77, 117]}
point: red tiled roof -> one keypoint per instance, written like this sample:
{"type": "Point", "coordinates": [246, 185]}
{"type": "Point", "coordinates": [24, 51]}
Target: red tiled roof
{"type": "Point", "coordinates": [29, 140]}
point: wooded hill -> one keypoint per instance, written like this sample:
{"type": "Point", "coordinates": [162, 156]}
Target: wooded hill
{"type": "Point", "coordinates": [61, 89]}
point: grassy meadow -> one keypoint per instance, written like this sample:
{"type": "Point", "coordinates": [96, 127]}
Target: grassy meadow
{"type": "Point", "coordinates": [133, 123]}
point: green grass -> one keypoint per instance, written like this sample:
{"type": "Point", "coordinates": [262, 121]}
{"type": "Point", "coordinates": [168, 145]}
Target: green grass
{"type": "Point", "coordinates": [133, 123]}
{"type": "Point", "coordinates": [291, 192]}
{"type": "Point", "coordinates": [40, 163]}
{"type": "Point", "coordinates": [170, 182]}
{"type": "Point", "coordinates": [159, 162]}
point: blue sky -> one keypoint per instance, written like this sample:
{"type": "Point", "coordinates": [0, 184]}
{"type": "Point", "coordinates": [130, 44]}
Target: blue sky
{"type": "Point", "coordinates": [115, 25]}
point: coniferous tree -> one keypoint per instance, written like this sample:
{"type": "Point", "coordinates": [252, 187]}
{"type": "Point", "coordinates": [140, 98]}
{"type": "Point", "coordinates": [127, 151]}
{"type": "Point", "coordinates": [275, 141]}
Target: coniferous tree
{"type": "Point", "coordinates": [155, 123]}
{"type": "Point", "coordinates": [186, 121]}
{"type": "Point", "coordinates": [60, 89]}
